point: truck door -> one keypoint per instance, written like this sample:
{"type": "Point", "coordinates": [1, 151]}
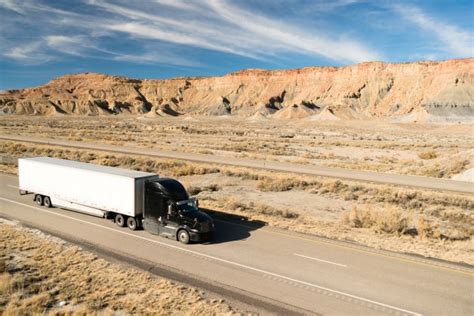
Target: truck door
{"type": "Point", "coordinates": [172, 215]}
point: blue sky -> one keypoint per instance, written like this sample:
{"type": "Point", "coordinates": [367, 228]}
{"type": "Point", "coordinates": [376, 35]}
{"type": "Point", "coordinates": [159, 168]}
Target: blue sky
{"type": "Point", "coordinates": [41, 39]}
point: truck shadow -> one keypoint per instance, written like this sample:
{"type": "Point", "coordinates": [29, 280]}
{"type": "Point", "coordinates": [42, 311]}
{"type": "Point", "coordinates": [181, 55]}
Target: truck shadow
{"type": "Point", "coordinates": [230, 227]}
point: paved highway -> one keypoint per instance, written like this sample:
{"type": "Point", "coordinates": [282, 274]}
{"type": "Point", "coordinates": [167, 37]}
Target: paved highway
{"type": "Point", "coordinates": [368, 176]}
{"type": "Point", "coordinates": [281, 271]}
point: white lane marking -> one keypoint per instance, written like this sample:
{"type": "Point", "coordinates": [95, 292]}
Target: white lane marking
{"type": "Point", "coordinates": [219, 259]}
{"type": "Point", "coordinates": [12, 186]}
{"type": "Point", "coordinates": [325, 261]}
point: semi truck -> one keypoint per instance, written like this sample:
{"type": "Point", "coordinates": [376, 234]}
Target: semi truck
{"type": "Point", "coordinates": [131, 198]}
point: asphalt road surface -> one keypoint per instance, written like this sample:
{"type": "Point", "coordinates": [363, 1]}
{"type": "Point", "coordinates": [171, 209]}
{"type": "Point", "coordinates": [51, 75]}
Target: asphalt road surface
{"type": "Point", "coordinates": [281, 271]}
{"type": "Point", "coordinates": [368, 176]}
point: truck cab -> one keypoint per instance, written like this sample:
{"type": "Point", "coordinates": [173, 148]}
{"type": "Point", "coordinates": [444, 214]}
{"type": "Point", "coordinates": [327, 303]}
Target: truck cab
{"type": "Point", "coordinates": [170, 212]}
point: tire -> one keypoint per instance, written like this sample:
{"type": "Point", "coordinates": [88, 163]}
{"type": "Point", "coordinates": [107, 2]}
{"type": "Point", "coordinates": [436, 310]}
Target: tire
{"type": "Point", "coordinates": [39, 199]}
{"type": "Point", "coordinates": [183, 236]}
{"type": "Point", "coordinates": [47, 201]}
{"type": "Point", "coordinates": [132, 223]}
{"type": "Point", "coordinates": [120, 220]}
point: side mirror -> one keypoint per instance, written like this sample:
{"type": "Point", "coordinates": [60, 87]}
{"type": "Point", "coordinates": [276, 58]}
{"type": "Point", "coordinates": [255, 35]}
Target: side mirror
{"type": "Point", "coordinates": [170, 209]}
{"type": "Point", "coordinates": [197, 203]}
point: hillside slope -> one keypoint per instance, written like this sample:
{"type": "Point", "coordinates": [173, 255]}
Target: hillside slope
{"type": "Point", "coordinates": [420, 91]}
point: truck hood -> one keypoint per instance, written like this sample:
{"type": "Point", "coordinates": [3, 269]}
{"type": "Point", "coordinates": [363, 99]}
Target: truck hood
{"type": "Point", "coordinates": [200, 216]}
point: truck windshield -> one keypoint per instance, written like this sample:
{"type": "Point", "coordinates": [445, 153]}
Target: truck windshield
{"type": "Point", "coordinates": [187, 206]}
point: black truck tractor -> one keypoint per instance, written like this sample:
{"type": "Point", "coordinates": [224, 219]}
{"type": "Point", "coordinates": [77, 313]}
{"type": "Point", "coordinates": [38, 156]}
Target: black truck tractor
{"type": "Point", "coordinates": [171, 213]}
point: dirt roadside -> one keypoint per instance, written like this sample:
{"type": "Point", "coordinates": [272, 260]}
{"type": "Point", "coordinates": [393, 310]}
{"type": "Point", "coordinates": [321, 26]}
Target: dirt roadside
{"type": "Point", "coordinates": [41, 274]}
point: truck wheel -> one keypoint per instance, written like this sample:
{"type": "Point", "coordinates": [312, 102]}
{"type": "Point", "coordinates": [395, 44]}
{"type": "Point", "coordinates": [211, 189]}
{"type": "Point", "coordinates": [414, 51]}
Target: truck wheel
{"type": "Point", "coordinates": [119, 220]}
{"type": "Point", "coordinates": [47, 201]}
{"type": "Point", "coordinates": [132, 223]}
{"type": "Point", "coordinates": [183, 236]}
{"type": "Point", "coordinates": [39, 199]}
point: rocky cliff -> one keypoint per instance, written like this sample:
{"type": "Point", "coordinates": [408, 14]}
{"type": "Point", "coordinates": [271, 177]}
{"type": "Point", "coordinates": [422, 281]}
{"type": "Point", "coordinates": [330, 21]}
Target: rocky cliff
{"type": "Point", "coordinates": [424, 91]}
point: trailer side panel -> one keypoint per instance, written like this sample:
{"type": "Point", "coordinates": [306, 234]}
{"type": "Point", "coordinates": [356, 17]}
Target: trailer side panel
{"type": "Point", "coordinates": [103, 188]}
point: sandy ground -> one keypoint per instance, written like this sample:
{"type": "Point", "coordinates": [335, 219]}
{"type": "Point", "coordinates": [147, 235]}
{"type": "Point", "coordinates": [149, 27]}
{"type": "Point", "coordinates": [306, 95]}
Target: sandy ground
{"type": "Point", "coordinates": [429, 223]}
{"type": "Point", "coordinates": [40, 274]}
{"type": "Point", "coordinates": [430, 150]}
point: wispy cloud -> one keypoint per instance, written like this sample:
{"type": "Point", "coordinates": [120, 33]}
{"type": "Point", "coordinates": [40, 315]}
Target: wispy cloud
{"type": "Point", "coordinates": [290, 37]}
{"type": "Point", "coordinates": [460, 42]}
{"type": "Point", "coordinates": [185, 33]}
{"type": "Point", "coordinates": [158, 57]}
{"type": "Point", "coordinates": [222, 26]}
{"type": "Point", "coordinates": [61, 32]}
{"type": "Point", "coordinates": [326, 6]}
{"type": "Point", "coordinates": [28, 53]}
{"type": "Point", "coordinates": [44, 49]}
{"type": "Point", "coordinates": [72, 45]}
{"type": "Point", "coordinates": [218, 26]}
{"type": "Point", "coordinates": [12, 5]}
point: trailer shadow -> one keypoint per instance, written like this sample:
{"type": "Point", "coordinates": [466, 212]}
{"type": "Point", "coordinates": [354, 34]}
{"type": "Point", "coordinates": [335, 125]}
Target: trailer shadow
{"type": "Point", "coordinates": [230, 227]}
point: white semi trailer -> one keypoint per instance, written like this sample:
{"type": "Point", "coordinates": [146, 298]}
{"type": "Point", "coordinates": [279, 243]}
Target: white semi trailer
{"type": "Point", "coordinates": [132, 198]}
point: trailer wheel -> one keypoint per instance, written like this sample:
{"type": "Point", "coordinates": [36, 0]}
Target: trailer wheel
{"type": "Point", "coordinates": [39, 199]}
{"type": "Point", "coordinates": [119, 220]}
{"type": "Point", "coordinates": [132, 223]}
{"type": "Point", "coordinates": [183, 236]}
{"type": "Point", "coordinates": [47, 201]}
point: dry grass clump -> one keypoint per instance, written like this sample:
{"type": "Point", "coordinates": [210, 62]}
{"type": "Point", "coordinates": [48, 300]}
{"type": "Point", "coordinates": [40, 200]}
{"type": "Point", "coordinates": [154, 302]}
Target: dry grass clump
{"type": "Point", "coordinates": [8, 168]}
{"type": "Point", "coordinates": [429, 154]}
{"type": "Point", "coordinates": [388, 220]}
{"type": "Point", "coordinates": [357, 164]}
{"type": "Point", "coordinates": [38, 273]}
{"type": "Point", "coordinates": [391, 220]}
{"type": "Point", "coordinates": [427, 229]}
{"type": "Point", "coordinates": [170, 167]}
{"type": "Point", "coordinates": [418, 199]}
{"type": "Point", "coordinates": [242, 173]}
{"type": "Point", "coordinates": [195, 190]}
{"type": "Point", "coordinates": [234, 204]}
{"type": "Point", "coordinates": [265, 209]}
{"type": "Point", "coordinates": [446, 169]}
{"type": "Point", "coordinates": [407, 199]}
{"type": "Point", "coordinates": [433, 229]}
{"type": "Point", "coordinates": [358, 218]}
{"type": "Point", "coordinates": [282, 184]}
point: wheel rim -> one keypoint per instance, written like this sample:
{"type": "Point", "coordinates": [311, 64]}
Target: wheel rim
{"type": "Point", "coordinates": [47, 201]}
{"type": "Point", "coordinates": [119, 220]}
{"type": "Point", "coordinates": [183, 236]}
{"type": "Point", "coordinates": [132, 223]}
{"type": "Point", "coordinates": [39, 200]}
